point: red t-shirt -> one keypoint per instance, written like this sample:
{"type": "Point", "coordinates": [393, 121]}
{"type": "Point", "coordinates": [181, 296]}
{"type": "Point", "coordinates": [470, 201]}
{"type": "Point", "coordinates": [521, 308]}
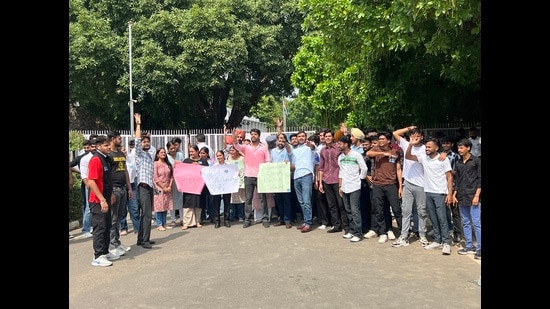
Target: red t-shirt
{"type": "Point", "coordinates": [95, 172]}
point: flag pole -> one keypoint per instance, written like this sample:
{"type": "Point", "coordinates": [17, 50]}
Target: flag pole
{"type": "Point", "coordinates": [284, 115]}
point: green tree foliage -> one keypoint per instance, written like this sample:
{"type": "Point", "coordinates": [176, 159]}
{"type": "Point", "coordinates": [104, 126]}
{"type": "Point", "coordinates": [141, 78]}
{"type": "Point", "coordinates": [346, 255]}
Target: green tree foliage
{"type": "Point", "coordinates": [189, 58]}
{"type": "Point", "coordinates": [382, 62]}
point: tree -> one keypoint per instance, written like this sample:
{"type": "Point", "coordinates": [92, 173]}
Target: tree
{"type": "Point", "coordinates": [385, 62]}
{"type": "Point", "coordinates": [189, 58]}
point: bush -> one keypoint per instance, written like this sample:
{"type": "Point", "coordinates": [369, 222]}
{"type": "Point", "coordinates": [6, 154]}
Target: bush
{"type": "Point", "coordinates": [75, 200]}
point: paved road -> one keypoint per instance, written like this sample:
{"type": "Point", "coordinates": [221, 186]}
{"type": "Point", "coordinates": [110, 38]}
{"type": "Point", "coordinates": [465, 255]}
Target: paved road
{"type": "Point", "coordinates": [270, 267]}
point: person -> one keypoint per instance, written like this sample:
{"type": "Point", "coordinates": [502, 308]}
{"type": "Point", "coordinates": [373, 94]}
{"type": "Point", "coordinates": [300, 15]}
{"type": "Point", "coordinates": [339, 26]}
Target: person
{"type": "Point", "coordinates": [201, 142]}
{"type": "Point", "coordinates": [453, 214]}
{"type": "Point", "coordinates": [281, 153]}
{"type": "Point", "coordinates": [83, 166]}
{"type": "Point", "coordinates": [145, 172]}
{"type": "Point", "coordinates": [100, 200]}
{"type": "Point", "coordinates": [237, 198]}
{"type": "Point", "coordinates": [467, 195]}
{"type": "Point", "coordinates": [413, 186]}
{"type": "Point", "coordinates": [352, 169]}
{"type": "Point", "coordinates": [177, 142]}
{"type": "Point", "coordinates": [163, 178]}
{"type": "Point", "coordinates": [329, 184]}
{"type": "Point", "coordinates": [255, 153]}
{"type": "Point", "coordinates": [192, 203]}
{"type": "Point", "coordinates": [296, 209]}
{"type": "Point", "coordinates": [76, 167]}
{"type": "Point", "coordinates": [438, 185]}
{"type": "Point", "coordinates": [174, 156]}
{"type": "Point", "coordinates": [475, 139]}
{"type": "Point", "coordinates": [217, 199]}
{"type": "Point", "coordinates": [207, 212]}
{"type": "Point", "coordinates": [387, 184]}
{"type": "Point", "coordinates": [319, 201]}
{"type": "Point", "coordinates": [304, 162]}
{"type": "Point", "coordinates": [121, 191]}
{"type": "Point", "coordinates": [71, 183]}
{"type": "Point", "coordinates": [133, 208]}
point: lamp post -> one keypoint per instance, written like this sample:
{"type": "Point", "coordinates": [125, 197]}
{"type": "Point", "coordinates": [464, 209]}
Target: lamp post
{"type": "Point", "coordinates": [132, 101]}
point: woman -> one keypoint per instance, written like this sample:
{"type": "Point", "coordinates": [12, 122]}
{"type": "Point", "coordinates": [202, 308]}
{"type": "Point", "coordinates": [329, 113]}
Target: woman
{"type": "Point", "coordinates": [208, 210]}
{"type": "Point", "coordinates": [192, 202]}
{"type": "Point", "coordinates": [163, 178]}
{"type": "Point", "coordinates": [216, 199]}
{"type": "Point", "coordinates": [238, 198]}
{"type": "Point", "coordinates": [175, 156]}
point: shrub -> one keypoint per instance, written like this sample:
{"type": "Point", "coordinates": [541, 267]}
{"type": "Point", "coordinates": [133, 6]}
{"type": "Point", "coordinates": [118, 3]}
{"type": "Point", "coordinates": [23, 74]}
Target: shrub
{"type": "Point", "coordinates": [75, 200]}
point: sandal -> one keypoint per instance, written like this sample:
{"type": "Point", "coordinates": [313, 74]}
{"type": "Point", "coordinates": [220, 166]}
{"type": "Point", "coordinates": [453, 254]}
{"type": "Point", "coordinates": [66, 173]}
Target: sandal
{"type": "Point", "coordinates": [161, 228]}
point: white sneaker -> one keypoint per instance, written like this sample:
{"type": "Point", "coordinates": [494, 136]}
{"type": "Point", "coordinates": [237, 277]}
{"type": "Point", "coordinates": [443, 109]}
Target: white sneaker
{"type": "Point", "coordinates": [117, 251]}
{"type": "Point", "coordinates": [111, 256]}
{"type": "Point", "coordinates": [101, 261]}
{"type": "Point", "coordinates": [348, 236]}
{"type": "Point", "coordinates": [400, 242]}
{"type": "Point", "coordinates": [330, 228]}
{"type": "Point", "coordinates": [87, 235]}
{"type": "Point", "coordinates": [355, 239]}
{"type": "Point", "coordinates": [371, 234]}
{"type": "Point", "coordinates": [123, 247]}
{"type": "Point", "coordinates": [446, 249]}
{"type": "Point", "coordinates": [424, 241]}
{"type": "Point", "coordinates": [433, 245]}
{"type": "Point", "coordinates": [382, 239]}
{"type": "Point", "coordinates": [322, 227]}
{"type": "Point", "coordinates": [391, 235]}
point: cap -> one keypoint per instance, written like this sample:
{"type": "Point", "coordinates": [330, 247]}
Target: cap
{"type": "Point", "coordinates": [271, 139]}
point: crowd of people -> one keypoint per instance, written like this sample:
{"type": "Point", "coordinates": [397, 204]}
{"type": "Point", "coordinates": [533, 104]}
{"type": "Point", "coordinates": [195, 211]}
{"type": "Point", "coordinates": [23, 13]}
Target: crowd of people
{"type": "Point", "coordinates": [394, 186]}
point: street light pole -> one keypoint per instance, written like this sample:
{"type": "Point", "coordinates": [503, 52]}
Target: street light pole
{"type": "Point", "coordinates": [131, 102]}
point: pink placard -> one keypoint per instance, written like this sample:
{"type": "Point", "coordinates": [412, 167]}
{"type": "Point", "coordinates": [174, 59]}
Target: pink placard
{"type": "Point", "coordinates": [188, 177]}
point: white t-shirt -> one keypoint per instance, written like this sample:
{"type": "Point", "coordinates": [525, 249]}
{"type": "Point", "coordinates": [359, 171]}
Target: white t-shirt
{"type": "Point", "coordinates": [435, 180]}
{"type": "Point", "coordinates": [413, 171]}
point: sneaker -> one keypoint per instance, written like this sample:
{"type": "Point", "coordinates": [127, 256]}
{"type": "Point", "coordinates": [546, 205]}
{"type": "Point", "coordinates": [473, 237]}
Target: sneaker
{"type": "Point", "coordinates": [434, 245]}
{"type": "Point", "coordinates": [371, 234]}
{"type": "Point", "coordinates": [400, 242]}
{"type": "Point", "coordinates": [456, 238]}
{"type": "Point", "coordinates": [265, 224]}
{"type": "Point", "coordinates": [241, 220]}
{"type": "Point", "coordinates": [330, 228]}
{"type": "Point", "coordinates": [424, 241]}
{"type": "Point", "coordinates": [123, 247]}
{"type": "Point", "coordinates": [470, 250]}
{"type": "Point", "coordinates": [246, 224]}
{"type": "Point", "coordinates": [322, 227]}
{"type": "Point", "coordinates": [101, 261]}
{"type": "Point", "coordinates": [117, 251]}
{"type": "Point", "coordinates": [348, 235]}
{"type": "Point", "coordinates": [446, 249]}
{"type": "Point", "coordinates": [71, 236]}
{"type": "Point", "coordinates": [355, 239]}
{"type": "Point", "coordinates": [477, 256]}
{"type": "Point", "coordinates": [87, 235]}
{"type": "Point", "coordinates": [110, 256]}
{"type": "Point", "coordinates": [382, 239]}
{"type": "Point", "coordinates": [391, 235]}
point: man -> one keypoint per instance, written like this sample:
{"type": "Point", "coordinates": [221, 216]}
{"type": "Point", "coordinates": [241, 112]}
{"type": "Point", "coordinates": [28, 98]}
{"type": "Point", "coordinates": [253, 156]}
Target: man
{"type": "Point", "coordinates": [304, 162]}
{"type": "Point", "coordinates": [329, 184]}
{"type": "Point", "coordinates": [439, 191]}
{"type": "Point", "coordinates": [467, 195]}
{"type": "Point", "coordinates": [101, 197]}
{"type": "Point", "coordinates": [76, 167]}
{"type": "Point", "coordinates": [133, 207]}
{"type": "Point", "coordinates": [144, 170]}
{"type": "Point", "coordinates": [83, 166]}
{"type": "Point", "coordinates": [122, 190]}
{"type": "Point", "coordinates": [255, 153]}
{"type": "Point", "coordinates": [281, 153]}
{"type": "Point", "coordinates": [386, 184]}
{"type": "Point", "coordinates": [352, 170]}
{"type": "Point", "coordinates": [453, 214]}
{"type": "Point", "coordinates": [476, 142]}
{"type": "Point", "coordinates": [413, 188]}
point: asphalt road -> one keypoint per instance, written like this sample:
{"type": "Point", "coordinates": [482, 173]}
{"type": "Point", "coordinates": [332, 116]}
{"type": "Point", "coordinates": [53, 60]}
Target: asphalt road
{"type": "Point", "coordinates": [270, 267]}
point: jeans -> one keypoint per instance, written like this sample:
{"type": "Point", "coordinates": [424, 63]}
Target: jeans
{"type": "Point", "coordinates": [160, 216]}
{"type": "Point", "coordinates": [121, 195]}
{"type": "Point", "coordinates": [250, 183]}
{"type": "Point", "coordinates": [304, 189]}
{"type": "Point", "coordinates": [237, 211]}
{"type": "Point", "coordinates": [413, 195]}
{"type": "Point", "coordinates": [86, 215]}
{"type": "Point", "coordinates": [145, 216]}
{"type": "Point", "coordinates": [435, 203]}
{"type": "Point", "coordinates": [471, 218]}
{"type": "Point", "coordinates": [352, 204]}
{"type": "Point", "coordinates": [133, 209]}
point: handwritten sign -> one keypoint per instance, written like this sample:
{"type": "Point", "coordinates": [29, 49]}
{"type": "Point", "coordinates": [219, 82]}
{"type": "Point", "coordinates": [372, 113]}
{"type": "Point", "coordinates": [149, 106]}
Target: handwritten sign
{"type": "Point", "coordinates": [221, 179]}
{"type": "Point", "coordinates": [188, 177]}
{"type": "Point", "coordinates": [274, 177]}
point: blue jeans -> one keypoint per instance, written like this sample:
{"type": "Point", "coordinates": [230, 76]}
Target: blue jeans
{"type": "Point", "coordinates": [284, 206]}
{"type": "Point", "coordinates": [435, 202]}
{"type": "Point", "coordinates": [352, 204]}
{"type": "Point", "coordinates": [160, 216]}
{"type": "Point", "coordinates": [86, 214]}
{"type": "Point", "coordinates": [237, 211]}
{"type": "Point", "coordinates": [304, 189]}
{"type": "Point", "coordinates": [133, 209]}
{"type": "Point", "coordinates": [471, 218]}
